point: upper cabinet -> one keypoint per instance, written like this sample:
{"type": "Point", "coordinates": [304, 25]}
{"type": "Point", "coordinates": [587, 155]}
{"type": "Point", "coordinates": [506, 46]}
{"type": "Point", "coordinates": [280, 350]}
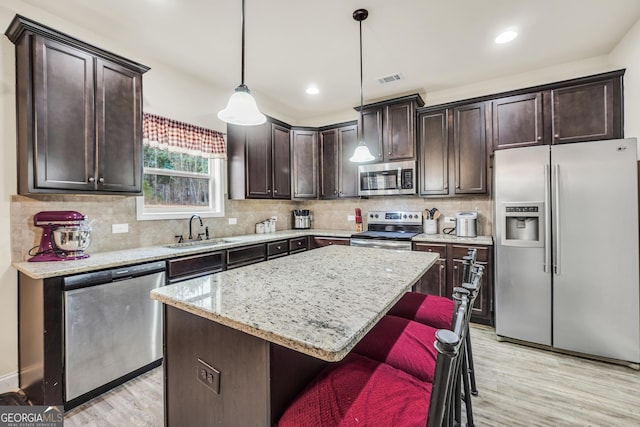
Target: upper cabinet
{"type": "Point", "coordinates": [585, 109]}
{"type": "Point", "coordinates": [453, 150]}
{"type": "Point", "coordinates": [259, 161]}
{"type": "Point", "coordinates": [79, 114]}
{"type": "Point", "coordinates": [338, 175]}
{"type": "Point", "coordinates": [389, 128]}
{"type": "Point", "coordinates": [304, 176]}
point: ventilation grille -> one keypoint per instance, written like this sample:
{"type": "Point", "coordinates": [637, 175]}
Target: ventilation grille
{"type": "Point", "coordinates": [390, 78]}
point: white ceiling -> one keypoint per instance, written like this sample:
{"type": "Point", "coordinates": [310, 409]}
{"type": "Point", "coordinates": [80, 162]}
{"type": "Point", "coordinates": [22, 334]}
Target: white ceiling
{"type": "Point", "coordinates": [435, 45]}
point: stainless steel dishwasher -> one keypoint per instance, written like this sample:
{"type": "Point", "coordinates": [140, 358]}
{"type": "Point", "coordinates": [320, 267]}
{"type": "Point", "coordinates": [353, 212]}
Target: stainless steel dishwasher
{"type": "Point", "coordinates": [111, 325]}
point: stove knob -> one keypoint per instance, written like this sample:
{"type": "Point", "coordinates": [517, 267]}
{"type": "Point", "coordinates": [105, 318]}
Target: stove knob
{"type": "Point", "coordinates": [405, 216]}
{"type": "Point", "coordinates": [376, 215]}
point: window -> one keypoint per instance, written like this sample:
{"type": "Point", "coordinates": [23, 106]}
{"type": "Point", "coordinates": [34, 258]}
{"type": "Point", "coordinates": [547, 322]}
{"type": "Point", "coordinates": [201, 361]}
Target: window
{"type": "Point", "coordinates": [183, 170]}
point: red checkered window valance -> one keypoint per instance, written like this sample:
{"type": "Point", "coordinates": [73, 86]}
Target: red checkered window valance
{"type": "Point", "coordinates": [175, 136]}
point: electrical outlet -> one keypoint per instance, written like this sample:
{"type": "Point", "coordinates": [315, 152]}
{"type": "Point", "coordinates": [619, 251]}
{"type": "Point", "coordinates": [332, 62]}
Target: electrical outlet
{"type": "Point", "coordinates": [449, 219]}
{"type": "Point", "coordinates": [351, 218]}
{"type": "Point", "coordinates": [209, 376]}
{"type": "Point", "coordinates": [233, 221]}
{"type": "Point", "coordinates": [119, 228]}
{"type": "Point", "coordinates": [274, 218]}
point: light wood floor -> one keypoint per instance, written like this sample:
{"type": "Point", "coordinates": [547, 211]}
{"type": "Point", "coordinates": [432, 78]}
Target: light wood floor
{"type": "Point", "coordinates": [518, 385]}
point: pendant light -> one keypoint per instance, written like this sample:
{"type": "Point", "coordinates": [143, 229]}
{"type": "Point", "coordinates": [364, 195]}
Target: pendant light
{"type": "Point", "coordinates": [361, 153]}
{"type": "Point", "coordinates": [242, 108]}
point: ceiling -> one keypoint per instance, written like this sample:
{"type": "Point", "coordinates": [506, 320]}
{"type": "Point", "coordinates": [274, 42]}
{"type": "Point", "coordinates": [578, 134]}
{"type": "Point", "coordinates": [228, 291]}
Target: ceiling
{"type": "Point", "coordinates": [290, 44]}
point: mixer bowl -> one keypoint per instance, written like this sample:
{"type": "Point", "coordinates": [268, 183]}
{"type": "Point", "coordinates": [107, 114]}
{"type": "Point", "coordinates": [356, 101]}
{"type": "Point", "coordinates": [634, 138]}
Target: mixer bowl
{"type": "Point", "coordinates": [72, 239]}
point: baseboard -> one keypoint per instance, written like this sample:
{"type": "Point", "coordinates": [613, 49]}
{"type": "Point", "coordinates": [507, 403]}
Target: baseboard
{"type": "Point", "coordinates": [9, 382]}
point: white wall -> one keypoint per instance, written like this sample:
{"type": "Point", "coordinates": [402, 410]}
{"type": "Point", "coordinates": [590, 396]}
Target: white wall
{"type": "Point", "coordinates": [627, 55]}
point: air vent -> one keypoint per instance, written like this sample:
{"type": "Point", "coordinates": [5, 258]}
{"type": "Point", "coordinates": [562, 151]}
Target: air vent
{"type": "Point", "coordinates": [390, 78]}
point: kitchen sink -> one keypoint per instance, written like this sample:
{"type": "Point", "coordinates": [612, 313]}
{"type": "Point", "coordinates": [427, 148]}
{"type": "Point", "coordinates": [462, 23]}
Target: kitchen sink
{"type": "Point", "coordinates": [196, 243]}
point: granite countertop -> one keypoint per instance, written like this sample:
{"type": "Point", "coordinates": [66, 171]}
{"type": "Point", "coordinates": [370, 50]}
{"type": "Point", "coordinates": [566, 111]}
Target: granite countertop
{"type": "Point", "coordinates": [102, 260]}
{"type": "Point", "coordinates": [451, 238]}
{"type": "Point", "coordinates": [319, 302]}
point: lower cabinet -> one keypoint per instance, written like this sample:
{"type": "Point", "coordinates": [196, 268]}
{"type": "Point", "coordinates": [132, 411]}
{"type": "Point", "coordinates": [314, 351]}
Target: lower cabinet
{"type": "Point", "coordinates": [319, 242]}
{"type": "Point", "coordinates": [446, 274]}
{"type": "Point", "coordinates": [189, 267]}
{"type": "Point", "coordinates": [245, 255]}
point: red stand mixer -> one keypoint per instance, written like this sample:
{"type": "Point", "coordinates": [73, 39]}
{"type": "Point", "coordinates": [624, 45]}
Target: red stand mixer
{"type": "Point", "coordinates": [64, 236]}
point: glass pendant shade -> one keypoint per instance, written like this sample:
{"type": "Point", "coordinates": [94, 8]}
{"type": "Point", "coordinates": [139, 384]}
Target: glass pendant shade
{"type": "Point", "coordinates": [361, 154]}
{"type": "Point", "coordinates": [242, 109]}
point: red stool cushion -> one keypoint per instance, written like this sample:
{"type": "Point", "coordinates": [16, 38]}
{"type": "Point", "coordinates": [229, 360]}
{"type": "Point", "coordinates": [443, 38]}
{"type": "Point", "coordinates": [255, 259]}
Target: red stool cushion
{"type": "Point", "coordinates": [430, 310]}
{"type": "Point", "coordinates": [358, 391]}
{"type": "Point", "coordinates": [403, 344]}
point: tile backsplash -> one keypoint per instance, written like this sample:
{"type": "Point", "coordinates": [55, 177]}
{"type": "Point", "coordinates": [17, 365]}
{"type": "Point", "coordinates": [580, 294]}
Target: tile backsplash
{"type": "Point", "coordinates": [108, 210]}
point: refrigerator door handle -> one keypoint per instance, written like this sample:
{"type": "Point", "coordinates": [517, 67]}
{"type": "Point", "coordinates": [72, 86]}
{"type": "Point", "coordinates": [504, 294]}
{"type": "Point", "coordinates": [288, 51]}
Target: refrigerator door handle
{"type": "Point", "coordinates": [547, 219]}
{"type": "Point", "coordinates": [556, 215]}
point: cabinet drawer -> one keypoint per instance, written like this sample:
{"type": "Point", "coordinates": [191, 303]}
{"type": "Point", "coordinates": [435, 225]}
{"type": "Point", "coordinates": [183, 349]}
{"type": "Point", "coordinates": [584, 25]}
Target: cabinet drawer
{"type": "Point", "coordinates": [298, 244]}
{"type": "Point", "coordinates": [195, 265]}
{"type": "Point", "coordinates": [277, 249]}
{"type": "Point", "coordinates": [246, 255]}
{"type": "Point", "coordinates": [319, 242]}
{"type": "Point", "coordinates": [459, 251]}
{"type": "Point", "coordinates": [431, 247]}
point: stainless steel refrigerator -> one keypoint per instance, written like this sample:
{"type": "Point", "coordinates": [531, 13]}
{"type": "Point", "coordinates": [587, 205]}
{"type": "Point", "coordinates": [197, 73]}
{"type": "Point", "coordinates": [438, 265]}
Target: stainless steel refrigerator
{"type": "Point", "coordinates": [566, 238]}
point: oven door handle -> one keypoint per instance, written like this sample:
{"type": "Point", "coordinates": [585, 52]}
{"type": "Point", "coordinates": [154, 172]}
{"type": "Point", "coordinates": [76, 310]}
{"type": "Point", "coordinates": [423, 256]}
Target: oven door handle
{"type": "Point", "coordinates": [382, 244]}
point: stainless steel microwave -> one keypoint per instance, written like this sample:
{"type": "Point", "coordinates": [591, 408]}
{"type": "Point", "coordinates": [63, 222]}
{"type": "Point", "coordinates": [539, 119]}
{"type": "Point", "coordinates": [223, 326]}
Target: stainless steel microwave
{"type": "Point", "coordinates": [387, 179]}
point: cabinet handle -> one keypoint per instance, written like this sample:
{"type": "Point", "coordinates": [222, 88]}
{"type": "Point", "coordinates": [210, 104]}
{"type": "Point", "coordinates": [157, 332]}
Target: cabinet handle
{"type": "Point", "coordinates": [101, 180]}
{"type": "Point", "coordinates": [91, 179]}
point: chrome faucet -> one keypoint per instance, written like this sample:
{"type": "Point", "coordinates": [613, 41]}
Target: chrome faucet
{"type": "Point", "coordinates": [190, 228]}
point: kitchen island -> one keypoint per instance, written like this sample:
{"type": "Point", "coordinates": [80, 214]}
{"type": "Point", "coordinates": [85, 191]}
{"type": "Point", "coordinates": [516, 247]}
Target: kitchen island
{"type": "Point", "coordinates": [240, 344]}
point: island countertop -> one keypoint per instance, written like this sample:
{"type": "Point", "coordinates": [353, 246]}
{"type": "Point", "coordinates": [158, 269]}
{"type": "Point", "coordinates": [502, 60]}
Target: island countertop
{"type": "Point", "coordinates": [320, 302]}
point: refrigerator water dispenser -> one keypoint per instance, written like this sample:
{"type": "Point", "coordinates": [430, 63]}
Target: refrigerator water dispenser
{"type": "Point", "coordinates": [524, 224]}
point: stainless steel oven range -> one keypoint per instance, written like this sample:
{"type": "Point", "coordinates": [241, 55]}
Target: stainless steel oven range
{"type": "Point", "coordinates": [389, 230]}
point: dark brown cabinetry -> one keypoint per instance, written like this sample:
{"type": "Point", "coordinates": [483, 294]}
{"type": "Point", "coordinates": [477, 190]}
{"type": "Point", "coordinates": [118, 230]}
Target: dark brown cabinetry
{"type": "Point", "coordinates": [579, 110]}
{"type": "Point", "coordinates": [338, 175]}
{"type": "Point", "coordinates": [389, 128]}
{"type": "Point", "coordinates": [446, 274]}
{"type": "Point", "coordinates": [299, 244]}
{"type": "Point", "coordinates": [79, 112]}
{"type": "Point", "coordinates": [319, 241]}
{"type": "Point", "coordinates": [277, 249]}
{"type": "Point", "coordinates": [305, 163]}
{"type": "Point", "coordinates": [259, 161]}
{"type": "Point", "coordinates": [453, 151]}
{"type": "Point", "coordinates": [188, 267]}
{"type": "Point", "coordinates": [245, 255]}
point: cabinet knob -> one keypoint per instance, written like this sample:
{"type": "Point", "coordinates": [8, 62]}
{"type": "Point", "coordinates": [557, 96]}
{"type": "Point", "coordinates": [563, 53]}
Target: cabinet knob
{"type": "Point", "coordinates": [91, 179]}
{"type": "Point", "coordinates": [268, 191]}
{"type": "Point", "coordinates": [441, 267]}
{"type": "Point", "coordinates": [279, 247]}
{"type": "Point", "coordinates": [455, 267]}
{"type": "Point", "coordinates": [101, 180]}
{"type": "Point", "coordinates": [299, 243]}
{"type": "Point", "coordinates": [539, 138]}
{"type": "Point", "coordinates": [556, 136]}
{"type": "Point", "coordinates": [331, 243]}
{"type": "Point", "coordinates": [389, 152]}
{"type": "Point", "coordinates": [275, 191]}
{"type": "Point", "coordinates": [335, 191]}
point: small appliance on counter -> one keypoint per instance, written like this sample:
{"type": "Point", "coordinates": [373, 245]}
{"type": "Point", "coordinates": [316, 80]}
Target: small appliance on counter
{"type": "Point", "coordinates": [301, 219]}
{"type": "Point", "coordinates": [467, 224]}
{"type": "Point", "coordinates": [65, 236]}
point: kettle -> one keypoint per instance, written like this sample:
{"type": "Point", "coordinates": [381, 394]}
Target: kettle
{"type": "Point", "coordinates": [466, 224]}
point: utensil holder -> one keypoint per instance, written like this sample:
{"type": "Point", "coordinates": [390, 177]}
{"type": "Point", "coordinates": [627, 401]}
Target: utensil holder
{"type": "Point", "coordinates": [430, 226]}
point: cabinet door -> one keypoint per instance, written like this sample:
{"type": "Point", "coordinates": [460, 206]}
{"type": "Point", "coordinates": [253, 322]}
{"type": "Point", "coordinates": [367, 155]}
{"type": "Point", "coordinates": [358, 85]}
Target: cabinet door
{"type": "Point", "coordinates": [372, 132]}
{"type": "Point", "coordinates": [329, 164]}
{"type": "Point", "coordinates": [483, 306]}
{"type": "Point", "coordinates": [281, 162]}
{"type": "Point", "coordinates": [434, 281]}
{"type": "Point", "coordinates": [584, 113]}
{"type": "Point", "coordinates": [348, 177]}
{"type": "Point", "coordinates": [258, 167]}
{"type": "Point", "coordinates": [64, 156]}
{"type": "Point", "coordinates": [319, 242]}
{"type": "Point", "coordinates": [400, 138]}
{"type": "Point", "coordinates": [517, 121]}
{"type": "Point", "coordinates": [434, 153]}
{"type": "Point", "coordinates": [305, 164]}
{"type": "Point", "coordinates": [469, 143]}
{"type": "Point", "coordinates": [119, 128]}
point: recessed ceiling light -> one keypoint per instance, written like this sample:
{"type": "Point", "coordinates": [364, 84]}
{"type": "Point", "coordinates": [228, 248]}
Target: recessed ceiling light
{"type": "Point", "coordinates": [506, 37]}
{"type": "Point", "coordinates": [312, 90]}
